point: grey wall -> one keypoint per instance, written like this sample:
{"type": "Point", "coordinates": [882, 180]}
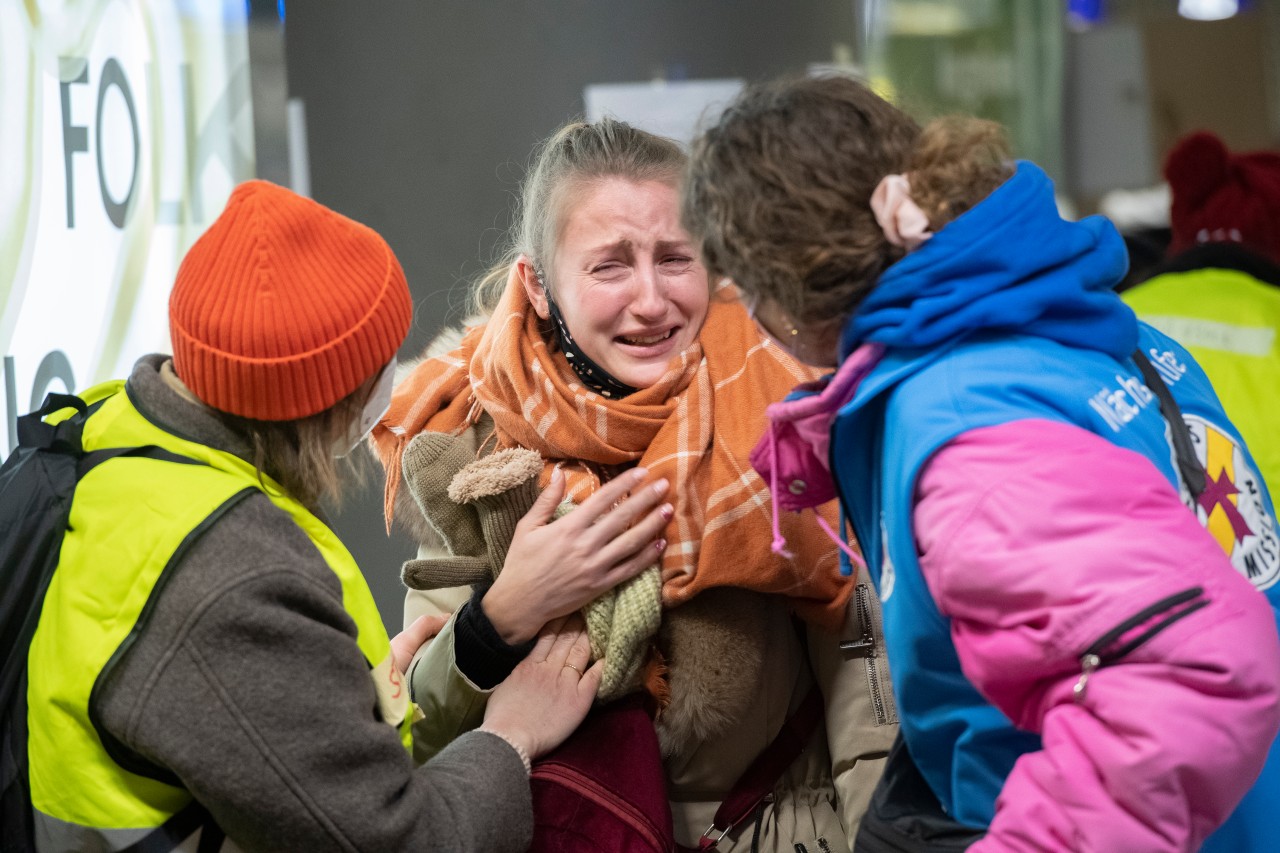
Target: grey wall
{"type": "Point", "coordinates": [421, 116]}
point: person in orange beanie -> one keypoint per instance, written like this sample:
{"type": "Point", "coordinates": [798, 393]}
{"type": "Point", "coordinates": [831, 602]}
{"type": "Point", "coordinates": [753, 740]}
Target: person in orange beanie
{"type": "Point", "coordinates": [209, 668]}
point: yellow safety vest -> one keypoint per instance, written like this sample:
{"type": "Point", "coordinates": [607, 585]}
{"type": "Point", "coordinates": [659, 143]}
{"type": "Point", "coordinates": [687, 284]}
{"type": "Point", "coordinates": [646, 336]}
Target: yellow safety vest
{"type": "Point", "coordinates": [1230, 322]}
{"type": "Point", "coordinates": [133, 519]}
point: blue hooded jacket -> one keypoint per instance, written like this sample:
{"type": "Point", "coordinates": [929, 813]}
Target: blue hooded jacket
{"type": "Point", "coordinates": [1007, 284]}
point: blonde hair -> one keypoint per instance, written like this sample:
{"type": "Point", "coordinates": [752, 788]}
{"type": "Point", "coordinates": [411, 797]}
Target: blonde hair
{"type": "Point", "coordinates": [578, 153]}
{"type": "Point", "coordinates": [778, 194]}
{"type": "Point", "coordinates": [298, 454]}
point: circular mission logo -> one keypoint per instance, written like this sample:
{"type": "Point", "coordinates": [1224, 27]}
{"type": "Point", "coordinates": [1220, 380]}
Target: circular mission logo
{"type": "Point", "coordinates": [1232, 507]}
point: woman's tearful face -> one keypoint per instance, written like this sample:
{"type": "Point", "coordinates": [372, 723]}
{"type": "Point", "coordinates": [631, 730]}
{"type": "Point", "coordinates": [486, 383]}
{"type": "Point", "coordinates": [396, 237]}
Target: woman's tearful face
{"type": "Point", "coordinates": [626, 278]}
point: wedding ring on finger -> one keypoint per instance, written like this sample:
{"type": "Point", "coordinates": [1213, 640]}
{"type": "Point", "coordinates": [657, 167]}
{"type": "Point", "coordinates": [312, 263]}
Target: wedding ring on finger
{"type": "Point", "coordinates": [575, 669]}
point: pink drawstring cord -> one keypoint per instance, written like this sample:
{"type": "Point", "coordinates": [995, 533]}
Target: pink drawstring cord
{"type": "Point", "coordinates": [807, 415]}
{"type": "Point", "coordinates": [779, 546]}
{"type": "Point", "coordinates": [853, 555]}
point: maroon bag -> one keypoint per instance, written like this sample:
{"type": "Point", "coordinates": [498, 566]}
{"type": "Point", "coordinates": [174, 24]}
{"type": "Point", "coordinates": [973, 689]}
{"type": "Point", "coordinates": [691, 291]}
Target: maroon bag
{"type": "Point", "coordinates": [604, 790]}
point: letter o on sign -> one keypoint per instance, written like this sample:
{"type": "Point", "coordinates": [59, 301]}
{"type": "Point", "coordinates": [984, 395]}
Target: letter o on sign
{"type": "Point", "coordinates": [113, 75]}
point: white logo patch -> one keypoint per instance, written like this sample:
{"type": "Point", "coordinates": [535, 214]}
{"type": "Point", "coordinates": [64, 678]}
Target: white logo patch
{"type": "Point", "coordinates": [1232, 508]}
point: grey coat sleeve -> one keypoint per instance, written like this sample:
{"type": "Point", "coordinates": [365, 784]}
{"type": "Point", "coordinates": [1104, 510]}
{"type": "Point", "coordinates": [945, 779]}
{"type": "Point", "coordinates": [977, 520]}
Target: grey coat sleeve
{"type": "Point", "coordinates": [247, 683]}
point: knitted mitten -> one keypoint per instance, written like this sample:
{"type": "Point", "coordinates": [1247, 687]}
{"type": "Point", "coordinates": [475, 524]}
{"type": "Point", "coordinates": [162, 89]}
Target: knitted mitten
{"type": "Point", "coordinates": [499, 489]}
{"type": "Point", "coordinates": [621, 623]}
{"type": "Point", "coordinates": [430, 462]}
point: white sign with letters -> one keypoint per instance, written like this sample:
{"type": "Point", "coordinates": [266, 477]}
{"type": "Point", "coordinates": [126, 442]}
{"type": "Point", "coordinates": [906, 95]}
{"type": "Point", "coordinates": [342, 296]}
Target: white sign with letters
{"type": "Point", "coordinates": [126, 125]}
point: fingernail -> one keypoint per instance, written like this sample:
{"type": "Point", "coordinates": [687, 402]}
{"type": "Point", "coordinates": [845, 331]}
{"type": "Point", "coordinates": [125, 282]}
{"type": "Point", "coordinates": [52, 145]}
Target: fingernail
{"type": "Point", "coordinates": [639, 474]}
{"type": "Point", "coordinates": [661, 487]}
{"type": "Point", "coordinates": [660, 544]}
{"type": "Point", "coordinates": [667, 510]}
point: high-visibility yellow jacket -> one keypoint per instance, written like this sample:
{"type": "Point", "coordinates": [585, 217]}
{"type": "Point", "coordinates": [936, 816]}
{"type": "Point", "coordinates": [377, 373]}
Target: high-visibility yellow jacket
{"type": "Point", "coordinates": [1229, 321]}
{"type": "Point", "coordinates": [126, 532]}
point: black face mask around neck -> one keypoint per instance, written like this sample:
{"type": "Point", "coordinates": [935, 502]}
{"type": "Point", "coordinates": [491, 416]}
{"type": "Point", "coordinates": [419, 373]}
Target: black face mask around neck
{"type": "Point", "coordinates": [592, 375]}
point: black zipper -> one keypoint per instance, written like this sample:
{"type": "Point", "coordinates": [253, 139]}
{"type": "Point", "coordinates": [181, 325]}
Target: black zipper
{"type": "Point", "coordinates": [1114, 645]}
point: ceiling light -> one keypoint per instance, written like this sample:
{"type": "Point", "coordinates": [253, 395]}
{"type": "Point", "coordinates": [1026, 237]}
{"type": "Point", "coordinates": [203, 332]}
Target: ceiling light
{"type": "Point", "coordinates": [1208, 10]}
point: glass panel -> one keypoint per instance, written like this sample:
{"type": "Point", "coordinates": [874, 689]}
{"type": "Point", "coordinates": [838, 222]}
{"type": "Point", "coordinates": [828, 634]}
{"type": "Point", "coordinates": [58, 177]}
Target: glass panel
{"type": "Point", "coordinates": [998, 59]}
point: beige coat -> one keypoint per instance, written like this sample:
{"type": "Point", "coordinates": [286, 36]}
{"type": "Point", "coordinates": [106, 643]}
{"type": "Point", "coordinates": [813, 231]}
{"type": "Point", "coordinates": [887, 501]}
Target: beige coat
{"type": "Point", "coordinates": [734, 682]}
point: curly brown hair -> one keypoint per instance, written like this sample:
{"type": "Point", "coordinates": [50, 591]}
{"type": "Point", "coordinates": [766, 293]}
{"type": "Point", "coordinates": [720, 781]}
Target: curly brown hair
{"type": "Point", "coordinates": [956, 163]}
{"type": "Point", "coordinates": [778, 191]}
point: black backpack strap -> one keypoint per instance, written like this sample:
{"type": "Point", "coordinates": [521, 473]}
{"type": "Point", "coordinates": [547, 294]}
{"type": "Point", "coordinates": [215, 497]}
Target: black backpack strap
{"type": "Point", "coordinates": [64, 436]}
{"type": "Point", "coordinates": [94, 458]}
{"type": "Point", "coordinates": [55, 402]}
{"type": "Point", "coordinates": [1189, 466]}
{"type": "Point", "coordinates": [33, 431]}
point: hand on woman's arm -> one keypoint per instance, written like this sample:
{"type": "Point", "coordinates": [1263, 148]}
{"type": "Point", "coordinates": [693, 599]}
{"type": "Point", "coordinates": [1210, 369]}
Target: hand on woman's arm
{"type": "Point", "coordinates": [406, 644]}
{"type": "Point", "coordinates": [553, 568]}
{"type": "Point", "coordinates": [548, 694]}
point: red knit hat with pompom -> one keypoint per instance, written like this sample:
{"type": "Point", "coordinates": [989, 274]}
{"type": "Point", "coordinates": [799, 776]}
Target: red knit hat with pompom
{"type": "Point", "coordinates": [1220, 197]}
{"type": "Point", "coordinates": [284, 307]}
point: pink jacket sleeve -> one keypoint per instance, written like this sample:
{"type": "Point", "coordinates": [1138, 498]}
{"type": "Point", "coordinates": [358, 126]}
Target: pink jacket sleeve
{"type": "Point", "coordinates": [1036, 538]}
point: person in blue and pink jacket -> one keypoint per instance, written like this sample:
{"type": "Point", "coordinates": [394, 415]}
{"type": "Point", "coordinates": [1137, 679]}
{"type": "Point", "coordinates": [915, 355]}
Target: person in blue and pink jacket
{"type": "Point", "coordinates": [1076, 557]}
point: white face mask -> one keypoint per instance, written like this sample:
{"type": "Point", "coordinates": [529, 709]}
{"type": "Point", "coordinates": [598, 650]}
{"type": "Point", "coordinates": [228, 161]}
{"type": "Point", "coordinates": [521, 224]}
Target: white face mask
{"type": "Point", "coordinates": [377, 405]}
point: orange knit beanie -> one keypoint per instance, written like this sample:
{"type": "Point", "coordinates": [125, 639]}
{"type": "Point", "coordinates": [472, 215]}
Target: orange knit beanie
{"type": "Point", "coordinates": [284, 307]}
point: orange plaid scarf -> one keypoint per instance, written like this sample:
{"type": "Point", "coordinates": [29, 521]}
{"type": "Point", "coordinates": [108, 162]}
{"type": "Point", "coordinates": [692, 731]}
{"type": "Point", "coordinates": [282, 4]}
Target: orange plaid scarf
{"type": "Point", "coordinates": [695, 426]}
